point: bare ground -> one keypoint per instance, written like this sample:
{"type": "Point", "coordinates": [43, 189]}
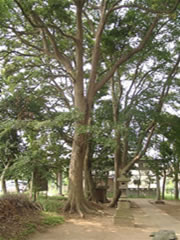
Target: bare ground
{"type": "Point", "coordinates": [148, 217]}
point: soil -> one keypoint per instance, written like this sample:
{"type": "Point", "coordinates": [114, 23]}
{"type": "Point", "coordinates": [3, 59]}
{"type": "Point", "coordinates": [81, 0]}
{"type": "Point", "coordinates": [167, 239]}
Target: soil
{"type": "Point", "coordinates": [148, 217]}
{"type": "Point", "coordinates": [172, 208]}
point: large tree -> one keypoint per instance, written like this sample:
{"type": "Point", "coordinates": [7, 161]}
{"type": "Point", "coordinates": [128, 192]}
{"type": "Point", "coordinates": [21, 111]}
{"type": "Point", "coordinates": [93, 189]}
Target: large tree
{"type": "Point", "coordinates": [73, 36]}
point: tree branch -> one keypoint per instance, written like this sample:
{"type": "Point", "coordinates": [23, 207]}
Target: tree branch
{"type": "Point", "coordinates": [127, 56]}
{"type": "Point", "coordinates": [96, 50]}
{"type": "Point", "coordinates": [150, 129]}
{"type": "Point", "coordinates": [149, 10]}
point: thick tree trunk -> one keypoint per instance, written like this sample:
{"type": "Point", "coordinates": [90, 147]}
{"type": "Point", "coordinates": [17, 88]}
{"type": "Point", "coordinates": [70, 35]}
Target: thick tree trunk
{"type": "Point", "coordinates": [76, 201]}
{"type": "Point", "coordinates": [90, 186]}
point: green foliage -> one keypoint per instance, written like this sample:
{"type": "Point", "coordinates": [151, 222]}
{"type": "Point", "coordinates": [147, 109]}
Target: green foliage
{"type": "Point", "coordinates": [169, 127]}
{"type": "Point", "coordinates": [4, 7]}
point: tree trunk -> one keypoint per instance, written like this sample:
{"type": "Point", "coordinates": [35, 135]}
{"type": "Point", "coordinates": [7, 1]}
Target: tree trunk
{"type": "Point", "coordinates": [116, 96]}
{"type": "Point", "coordinates": [2, 179]}
{"type": "Point", "coordinates": [76, 201]}
{"type": "Point", "coordinates": [83, 104]}
{"type": "Point", "coordinates": [163, 186]}
{"type": "Point", "coordinates": [90, 186]}
{"type": "Point", "coordinates": [59, 182]}
{"type": "Point", "coordinates": [139, 183]}
{"type": "Point", "coordinates": [17, 185]}
{"type": "Point", "coordinates": [176, 182]}
{"type": "Point", "coordinates": [117, 158]}
{"type": "Point", "coordinates": [3, 185]}
{"type": "Point", "coordinates": [33, 190]}
{"type": "Point", "coordinates": [158, 189]}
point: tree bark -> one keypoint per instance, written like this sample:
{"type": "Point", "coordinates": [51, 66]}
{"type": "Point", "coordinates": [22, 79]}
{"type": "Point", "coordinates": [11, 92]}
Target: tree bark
{"type": "Point", "coordinates": [3, 185]}
{"type": "Point", "coordinates": [2, 178]}
{"type": "Point", "coordinates": [17, 185]}
{"type": "Point", "coordinates": [116, 96]}
{"type": "Point", "coordinates": [158, 189]}
{"type": "Point", "coordinates": [176, 182]}
{"type": "Point", "coordinates": [90, 185]}
{"type": "Point", "coordinates": [76, 201]}
{"type": "Point", "coordinates": [164, 185]}
{"type": "Point", "coordinates": [117, 158]}
{"type": "Point", "coordinates": [59, 182]}
{"type": "Point", "coordinates": [33, 190]}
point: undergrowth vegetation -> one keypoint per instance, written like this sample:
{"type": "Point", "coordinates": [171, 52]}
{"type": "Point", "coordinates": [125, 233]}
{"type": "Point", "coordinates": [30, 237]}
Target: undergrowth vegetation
{"type": "Point", "coordinates": [21, 217]}
{"type": "Point", "coordinates": [51, 204]}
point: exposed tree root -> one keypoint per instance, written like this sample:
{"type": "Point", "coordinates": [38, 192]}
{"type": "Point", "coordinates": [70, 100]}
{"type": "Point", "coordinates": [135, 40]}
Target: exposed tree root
{"type": "Point", "coordinates": [81, 208]}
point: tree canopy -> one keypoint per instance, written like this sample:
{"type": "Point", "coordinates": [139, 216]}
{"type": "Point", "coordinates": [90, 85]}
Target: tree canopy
{"type": "Point", "coordinates": [58, 59]}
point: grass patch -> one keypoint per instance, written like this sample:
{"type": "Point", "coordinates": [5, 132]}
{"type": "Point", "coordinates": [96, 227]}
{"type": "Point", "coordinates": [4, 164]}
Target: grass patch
{"type": "Point", "coordinates": [52, 219]}
{"type": "Point", "coordinates": [141, 196]}
{"type": "Point", "coordinates": [51, 204]}
{"type": "Point", "coordinates": [29, 228]}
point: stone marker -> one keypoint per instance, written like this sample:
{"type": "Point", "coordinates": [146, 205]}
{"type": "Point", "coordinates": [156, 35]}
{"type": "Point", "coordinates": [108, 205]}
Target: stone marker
{"type": "Point", "coordinates": [123, 215]}
{"type": "Point", "coordinates": [164, 235]}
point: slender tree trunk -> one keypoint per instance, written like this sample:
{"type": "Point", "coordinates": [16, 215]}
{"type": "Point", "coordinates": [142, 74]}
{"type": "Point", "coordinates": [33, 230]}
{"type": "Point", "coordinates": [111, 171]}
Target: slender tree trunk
{"type": "Point", "coordinates": [158, 189]}
{"type": "Point", "coordinates": [59, 182]}
{"type": "Point", "coordinates": [117, 158]}
{"type": "Point", "coordinates": [116, 96]}
{"type": "Point", "coordinates": [164, 185]}
{"type": "Point", "coordinates": [33, 190]}
{"type": "Point", "coordinates": [2, 179]}
{"type": "Point", "coordinates": [17, 185]}
{"type": "Point", "coordinates": [139, 183]}
{"type": "Point", "coordinates": [3, 185]}
{"type": "Point", "coordinates": [176, 188]}
{"type": "Point", "coordinates": [176, 182]}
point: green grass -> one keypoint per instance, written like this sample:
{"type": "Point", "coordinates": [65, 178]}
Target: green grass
{"type": "Point", "coordinates": [52, 219]}
{"type": "Point", "coordinates": [29, 229]}
{"type": "Point", "coordinates": [51, 204]}
{"type": "Point", "coordinates": [169, 197]}
{"type": "Point", "coordinates": [141, 196]}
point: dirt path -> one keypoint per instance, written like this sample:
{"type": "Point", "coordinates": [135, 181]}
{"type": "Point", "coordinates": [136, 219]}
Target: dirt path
{"type": "Point", "coordinates": [147, 218]}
